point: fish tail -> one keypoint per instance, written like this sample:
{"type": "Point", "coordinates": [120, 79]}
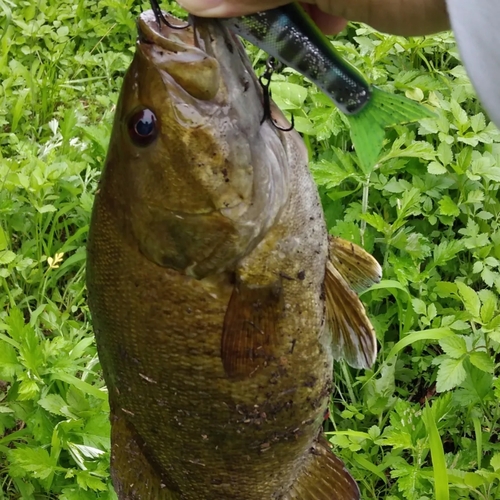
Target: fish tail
{"type": "Point", "coordinates": [324, 478]}
{"type": "Point", "coordinates": [382, 110]}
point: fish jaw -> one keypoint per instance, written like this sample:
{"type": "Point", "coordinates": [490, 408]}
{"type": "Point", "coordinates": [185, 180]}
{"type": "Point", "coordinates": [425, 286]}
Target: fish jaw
{"type": "Point", "coordinates": [214, 168]}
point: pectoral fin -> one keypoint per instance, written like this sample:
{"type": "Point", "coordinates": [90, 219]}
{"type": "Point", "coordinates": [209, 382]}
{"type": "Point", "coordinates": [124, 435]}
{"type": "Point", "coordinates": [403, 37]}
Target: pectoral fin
{"type": "Point", "coordinates": [355, 264]}
{"type": "Point", "coordinates": [324, 478]}
{"type": "Point", "coordinates": [250, 327]}
{"type": "Point", "coordinates": [353, 336]}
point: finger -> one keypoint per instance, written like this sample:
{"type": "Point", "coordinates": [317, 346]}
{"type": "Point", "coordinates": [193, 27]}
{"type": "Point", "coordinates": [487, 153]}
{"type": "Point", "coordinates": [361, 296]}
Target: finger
{"type": "Point", "coordinates": [328, 24]}
{"type": "Point", "coordinates": [228, 8]}
{"type": "Point", "coordinates": [399, 17]}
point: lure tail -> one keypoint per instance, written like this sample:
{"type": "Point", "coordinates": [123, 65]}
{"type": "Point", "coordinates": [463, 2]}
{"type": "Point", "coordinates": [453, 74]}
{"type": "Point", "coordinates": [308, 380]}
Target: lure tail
{"type": "Point", "coordinates": [368, 126]}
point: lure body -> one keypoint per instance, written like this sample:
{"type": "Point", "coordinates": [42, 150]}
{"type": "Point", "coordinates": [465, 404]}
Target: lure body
{"type": "Point", "coordinates": [288, 34]}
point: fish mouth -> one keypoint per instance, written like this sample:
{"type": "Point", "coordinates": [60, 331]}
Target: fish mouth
{"type": "Point", "coordinates": [201, 58]}
{"type": "Point", "coordinates": [173, 40]}
{"type": "Point", "coordinates": [175, 52]}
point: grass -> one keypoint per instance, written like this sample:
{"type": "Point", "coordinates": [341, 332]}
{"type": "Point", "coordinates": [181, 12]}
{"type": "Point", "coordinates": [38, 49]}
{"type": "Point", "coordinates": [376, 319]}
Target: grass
{"type": "Point", "coordinates": [423, 424]}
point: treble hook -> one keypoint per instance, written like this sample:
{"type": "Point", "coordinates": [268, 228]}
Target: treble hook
{"type": "Point", "coordinates": [160, 18]}
{"type": "Point", "coordinates": [272, 65]}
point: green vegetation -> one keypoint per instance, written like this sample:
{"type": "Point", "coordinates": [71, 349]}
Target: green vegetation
{"type": "Point", "coordinates": [424, 424]}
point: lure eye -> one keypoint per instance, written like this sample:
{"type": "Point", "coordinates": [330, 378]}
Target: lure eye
{"type": "Point", "coordinates": [143, 127]}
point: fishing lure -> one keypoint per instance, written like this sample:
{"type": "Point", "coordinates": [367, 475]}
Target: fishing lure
{"type": "Point", "coordinates": [288, 34]}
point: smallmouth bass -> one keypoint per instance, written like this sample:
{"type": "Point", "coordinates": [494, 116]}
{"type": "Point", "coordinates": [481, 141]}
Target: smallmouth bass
{"type": "Point", "coordinates": [218, 300]}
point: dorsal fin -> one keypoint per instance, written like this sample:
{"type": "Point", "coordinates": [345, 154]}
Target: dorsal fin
{"type": "Point", "coordinates": [358, 268]}
{"type": "Point", "coordinates": [353, 336]}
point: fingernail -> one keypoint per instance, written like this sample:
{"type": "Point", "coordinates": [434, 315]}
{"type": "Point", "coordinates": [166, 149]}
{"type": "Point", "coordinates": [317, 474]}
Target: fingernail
{"type": "Point", "coordinates": [206, 8]}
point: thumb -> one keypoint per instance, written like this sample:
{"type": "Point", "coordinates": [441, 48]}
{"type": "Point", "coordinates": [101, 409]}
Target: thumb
{"type": "Point", "coordinates": [228, 8]}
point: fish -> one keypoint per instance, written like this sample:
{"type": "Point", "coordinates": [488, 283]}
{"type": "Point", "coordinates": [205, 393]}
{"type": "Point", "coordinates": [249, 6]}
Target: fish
{"type": "Point", "coordinates": [288, 34]}
{"type": "Point", "coordinates": [216, 293]}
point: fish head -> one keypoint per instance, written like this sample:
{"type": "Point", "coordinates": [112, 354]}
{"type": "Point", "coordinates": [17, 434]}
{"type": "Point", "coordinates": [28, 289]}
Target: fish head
{"type": "Point", "coordinates": [199, 176]}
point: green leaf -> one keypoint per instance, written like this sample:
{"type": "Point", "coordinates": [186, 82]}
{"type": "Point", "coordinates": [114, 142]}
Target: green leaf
{"type": "Point", "coordinates": [288, 95]}
{"type": "Point", "coordinates": [483, 361]}
{"type": "Point", "coordinates": [9, 364]}
{"type": "Point", "coordinates": [454, 346]}
{"type": "Point", "coordinates": [489, 301]}
{"type": "Point", "coordinates": [377, 222]}
{"type": "Point", "coordinates": [419, 306]}
{"type": "Point", "coordinates": [434, 167]}
{"type": "Point", "coordinates": [80, 384]}
{"type": "Point", "coordinates": [86, 481]}
{"type": "Point", "coordinates": [447, 250]}
{"type": "Point", "coordinates": [474, 480]}
{"type": "Point", "coordinates": [448, 207]}
{"type": "Point", "coordinates": [6, 257]}
{"type": "Point", "coordinates": [441, 488]}
{"type": "Point", "coordinates": [451, 374]}
{"type": "Point", "coordinates": [495, 461]}
{"type": "Point", "coordinates": [412, 337]}
{"type": "Point", "coordinates": [3, 240]}
{"type": "Point", "coordinates": [53, 403]}
{"type": "Point", "coordinates": [470, 299]}
{"type": "Point", "coordinates": [35, 461]}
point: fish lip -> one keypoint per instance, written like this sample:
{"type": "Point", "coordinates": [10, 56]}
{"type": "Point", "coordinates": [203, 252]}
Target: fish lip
{"type": "Point", "coordinates": [150, 32]}
{"type": "Point", "coordinates": [174, 53]}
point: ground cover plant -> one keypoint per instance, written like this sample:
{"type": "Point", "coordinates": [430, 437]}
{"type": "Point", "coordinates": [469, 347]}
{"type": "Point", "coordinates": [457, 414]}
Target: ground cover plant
{"type": "Point", "coordinates": [423, 424]}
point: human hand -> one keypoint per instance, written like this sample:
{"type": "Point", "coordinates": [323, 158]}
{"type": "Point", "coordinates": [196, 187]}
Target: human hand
{"type": "Point", "coordinates": [399, 17]}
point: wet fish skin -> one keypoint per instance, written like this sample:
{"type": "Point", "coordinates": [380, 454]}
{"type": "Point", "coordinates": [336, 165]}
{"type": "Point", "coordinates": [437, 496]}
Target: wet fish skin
{"type": "Point", "coordinates": [207, 259]}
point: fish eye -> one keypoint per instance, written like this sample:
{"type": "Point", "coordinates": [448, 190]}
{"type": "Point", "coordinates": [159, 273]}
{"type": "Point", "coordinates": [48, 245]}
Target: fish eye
{"type": "Point", "coordinates": [143, 127]}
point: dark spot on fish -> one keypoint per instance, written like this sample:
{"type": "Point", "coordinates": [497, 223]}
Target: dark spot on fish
{"type": "Point", "coordinates": [245, 83]}
{"type": "Point", "coordinates": [314, 451]}
{"type": "Point", "coordinates": [301, 275]}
